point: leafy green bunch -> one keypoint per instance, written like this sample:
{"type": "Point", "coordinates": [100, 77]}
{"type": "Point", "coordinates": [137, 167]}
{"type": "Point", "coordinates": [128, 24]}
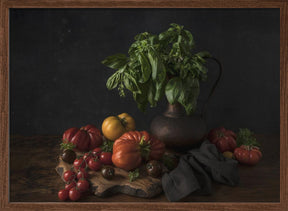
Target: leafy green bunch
{"type": "Point", "coordinates": [246, 137]}
{"type": "Point", "coordinates": [159, 65]}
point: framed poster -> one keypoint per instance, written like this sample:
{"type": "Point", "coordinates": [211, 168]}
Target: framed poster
{"type": "Point", "coordinates": [52, 79]}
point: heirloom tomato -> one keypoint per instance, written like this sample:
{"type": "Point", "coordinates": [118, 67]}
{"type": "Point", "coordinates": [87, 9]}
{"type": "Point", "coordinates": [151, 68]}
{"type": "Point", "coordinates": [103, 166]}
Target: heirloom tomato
{"type": "Point", "coordinates": [224, 140]}
{"type": "Point", "coordinates": [134, 146]}
{"type": "Point", "coordinates": [84, 139]}
{"type": "Point", "coordinates": [114, 126]}
{"type": "Point", "coordinates": [249, 155]}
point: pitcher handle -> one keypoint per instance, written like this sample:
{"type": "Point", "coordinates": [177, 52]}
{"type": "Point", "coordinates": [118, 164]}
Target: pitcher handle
{"type": "Point", "coordinates": [204, 108]}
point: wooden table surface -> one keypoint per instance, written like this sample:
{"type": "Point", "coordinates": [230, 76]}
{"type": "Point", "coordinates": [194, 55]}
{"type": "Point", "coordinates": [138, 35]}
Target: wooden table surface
{"type": "Point", "coordinates": [33, 177]}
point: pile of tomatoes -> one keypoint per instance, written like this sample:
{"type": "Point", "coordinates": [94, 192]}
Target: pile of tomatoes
{"type": "Point", "coordinates": [120, 145]}
{"type": "Point", "coordinates": [227, 142]}
{"type": "Point", "coordinates": [77, 177]}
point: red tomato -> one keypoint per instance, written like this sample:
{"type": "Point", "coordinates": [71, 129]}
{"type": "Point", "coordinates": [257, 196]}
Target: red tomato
{"type": "Point", "coordinates": [82, 174]}
{"type": "Point", "coordinates": [106, 158]}
{"type": "Point", "coordinates": [94, 164]}
{"type": "Point", "coordinates": [69, 175]}
{"type": "Point", "coordinates": [82, 185]}
{"type": "Point", "coordinates": [224, 140]}
{"type": "Point", "coordinates": [87, 156]}
{"type": "Point", "coordinates": [249, 155]}
{"type": "Point", "coordinates": [96, 152]}
{"type": "Point", "coordinates": [70, 185]}
{"type": "Point", "coordinates": [86, 138]}
{"type": "Point", "coordinates": [63, 194]}
{"type": "Point", "coordinates": [79, 163]}
{"type": "Point", "coordinates": [74, 194]}
{"type": "Point", "coordinates": [132, 147]}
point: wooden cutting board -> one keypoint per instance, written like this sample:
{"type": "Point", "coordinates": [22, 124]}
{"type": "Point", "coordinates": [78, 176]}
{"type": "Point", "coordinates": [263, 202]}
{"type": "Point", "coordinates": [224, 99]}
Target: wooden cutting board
{"type": "Point", "coordinates": [144, 186]}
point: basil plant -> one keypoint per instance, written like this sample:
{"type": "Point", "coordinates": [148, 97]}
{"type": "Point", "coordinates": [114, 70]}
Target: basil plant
{"type": "Point", "coordinates": [159, 65]}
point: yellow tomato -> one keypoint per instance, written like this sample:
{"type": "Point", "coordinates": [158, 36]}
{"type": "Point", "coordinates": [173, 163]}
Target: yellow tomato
{"type": "Point", "coordinates": [228, 154]}
{"type": "Point", "coordinates": [114, 126]}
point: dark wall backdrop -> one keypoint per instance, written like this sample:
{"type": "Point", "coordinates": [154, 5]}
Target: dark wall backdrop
{"type": "Point", "coordinates": [57, 80]}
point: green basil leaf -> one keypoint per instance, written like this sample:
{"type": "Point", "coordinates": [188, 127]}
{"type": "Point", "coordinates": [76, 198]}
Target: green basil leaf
{"type": "Point", "coordinates": [113, 81]}
{"type": "Point", "coordinates": [115, 61]}
{"type": "Point", "coordinates": [151, 94]}
{"type": "Point", "coordinates": [189, 38]}
{"type": "Point", "coordinates": [189, 94]}
{"type": "Point", "coordinates": [203, 54]}
{"type": "Point", "coordinates": [130, 83]}
{"type": "Point", "coordinates": [145, 68]}
{"type": "Point", "coordinates": [172, 89]}
{"type": "Point", "coordinates": [158, 68]}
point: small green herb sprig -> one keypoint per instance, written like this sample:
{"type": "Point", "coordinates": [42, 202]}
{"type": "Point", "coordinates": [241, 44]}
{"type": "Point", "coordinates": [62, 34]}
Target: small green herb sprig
{"type": "Point", "coordinates": [133, 175]}
{"type": "Point", "coordinates": [66, 145]}
{"type": "Point", "coordinates": [246, 137]}
{"type": "Point", "coordinates": [107, 146]}
{"type": "Point", "coordinates": [159, 65]}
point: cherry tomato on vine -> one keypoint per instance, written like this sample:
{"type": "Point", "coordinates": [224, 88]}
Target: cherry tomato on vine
{"type": "Point", "coordinates": [96, 152]}
{"type": "Point", "coordinates": [94, 164]}
{"type": "Point", "coordinates": [87, 156]}
{"type": "Point", "coordinates": [74, 194]}
{"type": "Point", "coordinates": [82, 185]}
{"type": "Point", "coordinates": [63, 194]}
{"type": "Point", "coordinates": [79, 163]}
{"type": "Point", "coordinates": [70, 185]}
{"type": "Point", "coordinates": [82, 173]}
{"type": "Point", "coordinates": [69, 175]}
{"type": "Point", "coordinates": [106, 158]}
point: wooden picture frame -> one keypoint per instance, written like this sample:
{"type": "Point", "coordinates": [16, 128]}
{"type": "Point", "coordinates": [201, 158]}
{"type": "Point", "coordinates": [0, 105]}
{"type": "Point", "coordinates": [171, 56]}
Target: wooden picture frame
{"type": "Point", "coordinates": [5, 5]}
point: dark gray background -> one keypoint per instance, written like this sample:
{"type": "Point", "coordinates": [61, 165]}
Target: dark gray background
{"type": "Point", "coordinates": [57, 80]}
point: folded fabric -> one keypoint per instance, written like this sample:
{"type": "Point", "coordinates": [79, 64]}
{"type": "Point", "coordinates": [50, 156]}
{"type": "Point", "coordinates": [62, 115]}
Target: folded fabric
{"type": "Point", "coordinates": [196, 170]}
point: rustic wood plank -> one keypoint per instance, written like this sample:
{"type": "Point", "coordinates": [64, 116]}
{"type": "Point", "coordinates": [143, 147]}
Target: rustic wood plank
{"type": "Point", "coordinates": [284, 105]}
{"type": "Point", "coordinates": [145, 4]}
{"type": "Point", "coordinates": [4, 106]}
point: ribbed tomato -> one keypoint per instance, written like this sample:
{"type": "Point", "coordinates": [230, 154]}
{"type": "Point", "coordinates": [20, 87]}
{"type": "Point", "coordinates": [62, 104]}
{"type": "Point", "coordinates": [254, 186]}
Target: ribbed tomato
{"type": "Point", "coordinates": [249, 155]}
{"type": "Point", "coordinates": [132, 147]}
{"type": "Point", "coordinates": [224, 140]}
{"type": "Point", "coordinates": [85, 139]}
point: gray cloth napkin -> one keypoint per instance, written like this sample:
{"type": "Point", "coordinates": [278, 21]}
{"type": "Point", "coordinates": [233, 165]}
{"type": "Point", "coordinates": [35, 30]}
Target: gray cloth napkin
{"type": "Point", "coordinates": [196, 170]}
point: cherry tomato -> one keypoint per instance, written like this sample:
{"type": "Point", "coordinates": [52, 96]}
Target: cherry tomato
{"type": "Point", "coordinates": [70, 185]}
{"type": "Point", "coordinates": [108, 172]}
{"type": "Point", "coordinates": [106, 158]}
{"type": "Point", "coordinates": [96, 152]}
{"type": "Point", "coordinates": [82, 174]}
{"type": "Point", "coordinates": [74, 194]}
{"type": "Point", "coordinates": [79, 163]}
{"type": "Point", "coordinates": [69, 175]}
{"type": "Point", "coordinates": [82, 185]}
{"type": "Point", "coordinates": [68, 156]}
{"type": "Point", "coordinates": [63, 194]}
{"type": "Point", "coordinates": [154, 168]}
{"type": "Point", "coordinates": [87, 156]}
{"type": "Point", "coordinates": [94, 164]}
